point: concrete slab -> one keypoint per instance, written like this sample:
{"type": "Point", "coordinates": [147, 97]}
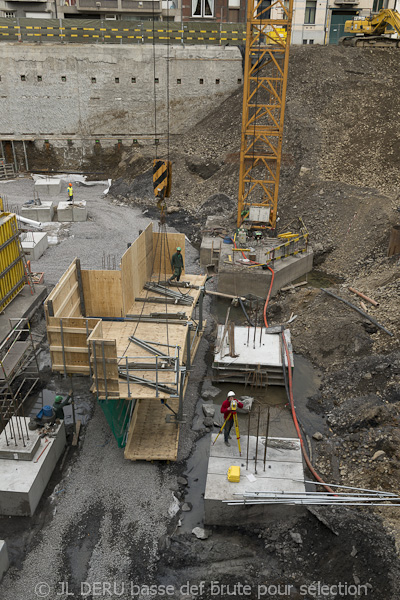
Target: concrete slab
{"type": "Point", "coordinates": [239, 280]}
{"type": "Point", "coordinates": [261, 353]}
{"type": "Point", "coordinates": [72, 212]}
{"type": "Point", "coordinates": [34, 244]}
{"type": "Point", "coordinates": [48, 187]}
{"type": "Point", "coordinates": [43, 213]}
{"type": "Point", "coordinates": [23, 306]}
{"type": "Point", "coordinates": [284, 467]}
{"type": "Point", "coordinates": [18, 447]}
{"type": "Point", "coordinates": [4, 562]}
{"type": "Point", "coordinates": [23, 482]}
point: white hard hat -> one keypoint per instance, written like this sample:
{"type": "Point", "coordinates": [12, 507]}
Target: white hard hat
{"type": "Point", "coordinates": [231, 394]}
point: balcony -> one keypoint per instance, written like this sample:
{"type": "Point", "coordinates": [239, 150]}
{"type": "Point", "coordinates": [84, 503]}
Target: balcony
{"type": "Point", "coordinates": [135, 6]}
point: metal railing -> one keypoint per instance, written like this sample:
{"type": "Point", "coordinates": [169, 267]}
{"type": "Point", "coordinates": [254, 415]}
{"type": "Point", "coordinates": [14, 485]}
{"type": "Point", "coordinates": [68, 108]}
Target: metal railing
{"type": "Point", "coordinates": [97, 31]}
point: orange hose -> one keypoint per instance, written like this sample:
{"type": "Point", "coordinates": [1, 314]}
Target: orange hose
{"type": "Point", "coordinates": [296, 423]}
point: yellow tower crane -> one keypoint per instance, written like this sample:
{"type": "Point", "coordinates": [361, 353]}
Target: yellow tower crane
{"type": "Point", "coordinates": [266, 63]}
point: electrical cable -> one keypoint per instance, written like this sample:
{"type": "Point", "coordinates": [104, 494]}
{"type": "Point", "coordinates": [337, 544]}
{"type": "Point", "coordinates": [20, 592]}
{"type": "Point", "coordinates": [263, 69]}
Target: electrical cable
{"type": "Point", "coordinates": [295, 421]}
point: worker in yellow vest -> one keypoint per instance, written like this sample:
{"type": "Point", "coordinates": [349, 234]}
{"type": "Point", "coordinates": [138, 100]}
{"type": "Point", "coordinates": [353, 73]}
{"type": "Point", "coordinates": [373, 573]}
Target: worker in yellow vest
{"type": "Point", "coordinates": [70, 191]}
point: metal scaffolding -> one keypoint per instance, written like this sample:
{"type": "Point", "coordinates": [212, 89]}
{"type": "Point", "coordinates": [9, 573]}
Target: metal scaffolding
{"type": "Point", "coordinates": [19, 375]}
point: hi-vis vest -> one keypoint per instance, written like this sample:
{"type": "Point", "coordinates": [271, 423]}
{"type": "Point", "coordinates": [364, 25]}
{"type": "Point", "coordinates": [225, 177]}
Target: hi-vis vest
{"type": "Point", "coordinates": [70, 191]}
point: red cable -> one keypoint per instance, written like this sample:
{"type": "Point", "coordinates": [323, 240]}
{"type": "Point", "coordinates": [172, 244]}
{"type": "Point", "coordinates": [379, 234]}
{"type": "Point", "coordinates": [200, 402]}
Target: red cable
{"type": "Point", "coordinates": [296, 423]}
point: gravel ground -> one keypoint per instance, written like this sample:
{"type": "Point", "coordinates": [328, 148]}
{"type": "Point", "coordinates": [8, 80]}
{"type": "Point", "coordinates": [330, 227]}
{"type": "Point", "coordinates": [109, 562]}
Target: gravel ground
{"type": "Point", "coordinates": [104, 236]}
{"type": "Point", "coordinates": [106, 523]}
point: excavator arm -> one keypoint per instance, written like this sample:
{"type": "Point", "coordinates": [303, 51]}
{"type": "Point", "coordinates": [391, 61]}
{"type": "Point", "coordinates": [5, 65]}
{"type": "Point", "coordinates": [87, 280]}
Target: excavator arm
{"type": "Point", "coordinates": [373, 30]}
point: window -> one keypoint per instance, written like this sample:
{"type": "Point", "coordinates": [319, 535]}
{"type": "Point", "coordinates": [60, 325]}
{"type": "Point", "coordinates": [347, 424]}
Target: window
{"type": "Point", "coordinates": [202, 8]}
{"type": "Point", "coordinates": [201, 81]}
{"type": "Point", "coordinates": [264, 9]}
{"type": "Point", "coordinates": [9, 14]}
{"type": "Point", "coordinates": [93, 80]}
{"type": "Point", "coordinates": [23, 78]}
{"type": "Point", "coordinates": [309, 17]}
{"type": "Point", "coordinates": [310, 41]}
{"type": "Point", "coordinates": [304, 42]}
{"type": "Point", "coordinates": [39, 78]}
{"type": "Point", "coordinates": [63, 78]}
{"type": "Point", "coordinates": [179, 81]}
{"type": "Point", "coordinates": [133, 79]}
{"type": "Point", "coordinates": [217, 81]}
{"type": "Point", "coordinates": [117, 80]}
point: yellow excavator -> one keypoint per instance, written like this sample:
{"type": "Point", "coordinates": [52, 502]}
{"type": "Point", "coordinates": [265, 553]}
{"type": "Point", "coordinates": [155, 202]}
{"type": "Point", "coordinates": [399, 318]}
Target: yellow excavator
{"type": "Point", "coordinates": [373, 31]}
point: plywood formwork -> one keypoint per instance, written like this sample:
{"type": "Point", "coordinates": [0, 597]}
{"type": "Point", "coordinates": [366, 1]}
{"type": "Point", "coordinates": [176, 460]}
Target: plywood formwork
{"type": "Point", "coordinates": [82, 342]}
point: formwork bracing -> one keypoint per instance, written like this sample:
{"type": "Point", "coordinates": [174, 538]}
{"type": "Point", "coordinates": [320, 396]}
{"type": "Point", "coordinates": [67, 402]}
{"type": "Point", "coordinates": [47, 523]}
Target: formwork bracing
{"type": "Point", "coordinates": [111, 326]}
{"type": "Point", "coordinates": [265, 79]}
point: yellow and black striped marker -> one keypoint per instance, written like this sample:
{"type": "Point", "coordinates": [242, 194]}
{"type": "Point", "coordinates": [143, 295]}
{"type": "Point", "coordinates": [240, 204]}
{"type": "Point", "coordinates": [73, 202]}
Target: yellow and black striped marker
{"type": "Point", "coordinates": [162, 178]}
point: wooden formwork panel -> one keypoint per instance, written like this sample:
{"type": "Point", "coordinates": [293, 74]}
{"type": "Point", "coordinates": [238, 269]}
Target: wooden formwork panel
{"type": "Point", "coordinates": [65, 298]}
{"type": "Point", "coordinates": [136, 265]}
{"type": "Point", "coordinates": [74, 338]}
{"type": "Point", "coordinates": [150, 436]}
{"type": "Point", "coordinates": [12, 274]}
{"type": "Point", "coordinates": [164, 248]}
{"type": "Point", "coordinates": [102, 291]}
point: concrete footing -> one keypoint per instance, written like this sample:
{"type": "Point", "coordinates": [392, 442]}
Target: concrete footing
{"type": "Point", "coordinates": [18, 447]}
{"type": "Point", "coordinates": [23, 482]}
{"type": "Point", "coordinates": [75, 212]}
{"type": "Point", "coordinates": [34, 244]}
{"type": "Point", "coordinates": [4, 563]}
{"type": "Point", "coordinates": [48, 187]}
{"type": "Point", "coordinates": [283, 472]}
{"type": "Point", "coordinates": [43, 213]}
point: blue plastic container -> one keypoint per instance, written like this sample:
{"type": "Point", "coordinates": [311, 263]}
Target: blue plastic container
{"type": "Point", "coordinates": [228, 240]}
{"type": "Point", "coordinates": [47, 411]}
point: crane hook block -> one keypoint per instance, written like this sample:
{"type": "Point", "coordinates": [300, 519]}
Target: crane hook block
{"type": "Point", "coordinates": [162, 178]}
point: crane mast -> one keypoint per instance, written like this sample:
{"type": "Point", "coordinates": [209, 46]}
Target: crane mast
{"type": "Point", "coordinates": [266, 65]}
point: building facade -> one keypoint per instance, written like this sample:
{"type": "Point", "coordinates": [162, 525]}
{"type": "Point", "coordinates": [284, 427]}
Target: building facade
{"type": "Point", "coordinates": [314, 21]}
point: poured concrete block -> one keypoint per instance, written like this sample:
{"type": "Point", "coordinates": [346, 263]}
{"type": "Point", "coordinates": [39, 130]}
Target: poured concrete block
{"type": "Point", "coordinates": [43, 213]}
{"type": "Point", "coordinates": [283, 472]}
{"type": "Point", "coordinates": [25, 448]}
{"type": "Point", "coordinates": [22, 483]}
{"type": "Point", "coordinates": [48, 187]}
{"type": "Point", "coordinates": [72, 212]}
{"type": "Point", "coordinates": [4, 564]}
{"type": "Point", "coordinates": [34, 244]}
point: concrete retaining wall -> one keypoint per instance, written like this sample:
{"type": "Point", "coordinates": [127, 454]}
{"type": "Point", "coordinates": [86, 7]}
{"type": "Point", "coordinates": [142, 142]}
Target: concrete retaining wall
{"type": "Point", "coordinates": [53, 92]}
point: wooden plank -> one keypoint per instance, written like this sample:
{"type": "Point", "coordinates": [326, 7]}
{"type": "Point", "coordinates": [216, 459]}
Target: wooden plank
{"type": "Point", "coordinates": [76, 434]}
{"type": "Point", "coordinates": [150, 436]}
{"type": "Point", "coordinates": [103, 293]}
{"type": "Point", "coordinates": [68, 349]}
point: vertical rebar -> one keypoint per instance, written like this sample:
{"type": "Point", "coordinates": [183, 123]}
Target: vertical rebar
{"type": "Point", "coordinates": [266, 439]}
{"type": "Point", "coordinates": [156, 376]}
{"type": "Point", "coordinates": [258, 429]}
{"type": "Point", "coordinates": [4, 428]}
{"type": "Point", "coordinates": [104, 368]}
{"type": "Point", "coordinates": [248, 335]}
{"type": "Point", "coordinates": [248, 440]}
{"type": "Point", "coordinates": [127, 377]}
{"type": "Point", "coordinates": [26, 427]}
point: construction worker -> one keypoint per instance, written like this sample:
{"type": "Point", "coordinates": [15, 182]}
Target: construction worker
{"type": "Point", "coordinates": [227, 411]}
{"type": "Point", "coordinates": [177, 264]}
{"type": "Point", "coordinates": [70, 191]}
{"type": "Point", "coordinates": [58, 405]}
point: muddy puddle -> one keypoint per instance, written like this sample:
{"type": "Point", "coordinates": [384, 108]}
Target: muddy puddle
{"type": "Point", "coordinates": [82, 406]}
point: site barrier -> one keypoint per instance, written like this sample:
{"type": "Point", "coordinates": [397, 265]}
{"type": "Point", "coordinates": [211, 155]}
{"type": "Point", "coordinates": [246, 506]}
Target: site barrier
{"type": "Point", "coordinates": [97, 31]}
